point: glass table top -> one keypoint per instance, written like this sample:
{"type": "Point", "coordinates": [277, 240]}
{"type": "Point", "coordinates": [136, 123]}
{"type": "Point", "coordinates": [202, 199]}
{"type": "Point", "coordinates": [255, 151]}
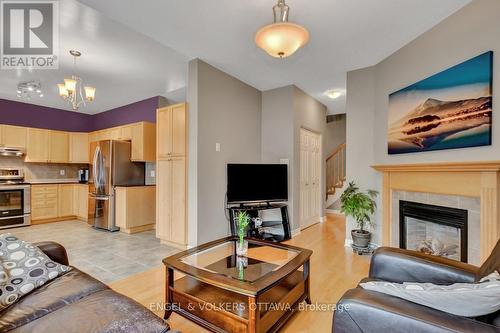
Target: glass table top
{"type": "Point", "coordinates": [222, 259]}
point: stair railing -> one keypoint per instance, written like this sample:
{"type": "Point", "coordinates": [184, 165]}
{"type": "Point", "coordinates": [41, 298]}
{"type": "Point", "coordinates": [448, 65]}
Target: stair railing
{"type": "Point", "coordinates": [335, 169]}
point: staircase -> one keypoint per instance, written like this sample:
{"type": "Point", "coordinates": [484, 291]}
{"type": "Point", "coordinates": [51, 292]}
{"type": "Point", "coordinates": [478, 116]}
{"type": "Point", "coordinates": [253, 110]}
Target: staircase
{"type": "Point", "coordinates": [335, 170]}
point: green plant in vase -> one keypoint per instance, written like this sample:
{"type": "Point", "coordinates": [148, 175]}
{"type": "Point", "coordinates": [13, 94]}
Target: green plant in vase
{"type": "Point", "coordinates": [243, 221]}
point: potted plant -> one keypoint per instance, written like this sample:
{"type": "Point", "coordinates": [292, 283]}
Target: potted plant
{"type": "Point", "coordinates": [243, 220]}
{"type": "Point", "coordinates": [360, 206]}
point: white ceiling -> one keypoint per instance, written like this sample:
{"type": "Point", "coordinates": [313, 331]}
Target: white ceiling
{"type": "Point", "coordinates": [126, 66]}
{"type": "Point", "coordinates": [345, 35]}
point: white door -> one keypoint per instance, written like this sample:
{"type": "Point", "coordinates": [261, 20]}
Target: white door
{"type": "Point", "coordinates": [310, 178]}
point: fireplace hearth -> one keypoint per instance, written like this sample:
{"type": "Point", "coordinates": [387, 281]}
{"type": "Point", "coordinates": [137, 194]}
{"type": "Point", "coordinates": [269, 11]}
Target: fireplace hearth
{"type": "Point", "coordinates": [436, 230]}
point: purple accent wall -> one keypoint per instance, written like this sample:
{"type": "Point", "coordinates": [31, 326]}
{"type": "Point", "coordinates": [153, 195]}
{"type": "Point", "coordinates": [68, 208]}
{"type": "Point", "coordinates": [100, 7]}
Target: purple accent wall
{"type": "Point", "coordinates": [30, 115]}
{"type": "Point", "coordinates": [144, 110]}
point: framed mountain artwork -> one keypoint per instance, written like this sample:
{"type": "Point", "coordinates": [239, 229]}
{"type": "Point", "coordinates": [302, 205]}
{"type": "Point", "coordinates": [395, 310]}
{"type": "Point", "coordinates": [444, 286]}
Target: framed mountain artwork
{"type": "Point", "coordinates": [451, 109]}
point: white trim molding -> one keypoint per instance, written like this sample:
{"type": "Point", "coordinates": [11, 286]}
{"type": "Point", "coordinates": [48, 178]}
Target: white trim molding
{"type": "Point", "coordinates": [295, 232]}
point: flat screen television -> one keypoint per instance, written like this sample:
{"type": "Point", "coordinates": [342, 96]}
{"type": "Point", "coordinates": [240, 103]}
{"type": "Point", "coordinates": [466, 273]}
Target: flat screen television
{"type": "Point", "coordinates": [257, 183]}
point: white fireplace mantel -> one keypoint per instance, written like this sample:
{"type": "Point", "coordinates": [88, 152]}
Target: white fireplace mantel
{"type": "Point", "coordinates": [472, 179]}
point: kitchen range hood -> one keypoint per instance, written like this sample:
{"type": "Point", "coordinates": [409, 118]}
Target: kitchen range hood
{"type": "Point", "coordinates": [12, 151]}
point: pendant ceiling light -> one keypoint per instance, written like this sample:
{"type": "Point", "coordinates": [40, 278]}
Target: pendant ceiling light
{"type": "Point", "coordinates": [282, 38]}
{"type": "Point", "coordinates": [71, 89]}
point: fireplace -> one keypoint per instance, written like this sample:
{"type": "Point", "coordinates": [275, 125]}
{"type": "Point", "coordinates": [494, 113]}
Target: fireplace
{"type": "Point", "coordinates": [436, 230]}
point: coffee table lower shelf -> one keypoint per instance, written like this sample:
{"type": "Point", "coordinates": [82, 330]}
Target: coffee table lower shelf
{"type": "Point", "coordinates": [220, 310]}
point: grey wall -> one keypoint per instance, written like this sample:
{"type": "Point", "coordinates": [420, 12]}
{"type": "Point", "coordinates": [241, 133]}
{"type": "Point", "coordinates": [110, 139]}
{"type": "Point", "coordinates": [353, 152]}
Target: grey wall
{"type": "Point", "coordinates": [277, 134]}
{"type": "Point", "coordinates": [360, 133]}
{"type": "Point", "coordinates": [469, 32]}
{"type": "Point", "coordinates": [284, 112]}
{"type": "Point", "coordinates": [228, 112]}
{"type": "Point", "coordinates": [311, 115]}
{"type": "Point", "coordinates": [335, 134]}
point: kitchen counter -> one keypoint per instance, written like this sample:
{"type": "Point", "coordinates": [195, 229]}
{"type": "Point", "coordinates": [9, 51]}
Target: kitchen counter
{"type": "Point", "coordinates": [54, 181]}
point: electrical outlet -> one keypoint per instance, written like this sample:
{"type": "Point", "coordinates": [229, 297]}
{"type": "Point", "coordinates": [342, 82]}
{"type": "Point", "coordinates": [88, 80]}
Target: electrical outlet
{"type": "Point", "coordinates": [217, 146]}
{"type": "Point", "coordinates": [62, 172]}
{"type": "Point", "coordinates": [152, 174]}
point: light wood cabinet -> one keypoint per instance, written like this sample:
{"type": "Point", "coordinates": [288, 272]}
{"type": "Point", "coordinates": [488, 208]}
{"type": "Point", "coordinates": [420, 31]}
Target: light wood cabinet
{"type": "Point", "coordinates": [172, 138]}
{"type": "Point", "coordinates": [143, 142]}
{"type": "Point", "coordinates": [47, 146]}
{"type": "Point", "coordinates": [126, 132]}
{"type": "Point", "coordinates": [171, 175]}
{"type": "Point", "coordinates": [13, 136]}
{"type": "Point", "coordinates": [65, 200]}
{"type": "Point", "coordinates": [37, 145]}
{"type": "Point", "coordinates": [59, 147]}
{"type": "Point", "coordinates": [142, 136]}
{"type": "Point", "coordinates": [44, 202]}
{"type": "Point", "coordinates": [52, 202]}
{"type": "Point", "coordinates": [81, 195]}
{"type": "Point", "coordinates": [135, 208]}
{"type": "Point", "coordinates": [78, 148]}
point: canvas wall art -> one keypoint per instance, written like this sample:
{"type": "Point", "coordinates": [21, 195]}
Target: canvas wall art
{"type": "Point", "coordinates": [451, 109]}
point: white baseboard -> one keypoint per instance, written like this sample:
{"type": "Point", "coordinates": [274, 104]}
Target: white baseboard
{"type": "Point", "coordinates": [333, 211]}
{"type": "Point", "coordinates": [295, 232]}
{"type": "Point", "coordinates": [322, 219]}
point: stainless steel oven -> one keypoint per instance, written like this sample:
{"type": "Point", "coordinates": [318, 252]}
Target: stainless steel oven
{"type": "Point", "coordinates": [15, 206]}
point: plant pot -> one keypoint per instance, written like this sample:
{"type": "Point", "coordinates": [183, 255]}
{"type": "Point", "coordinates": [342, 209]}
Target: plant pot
{"type": "Point", "coordinates": [361, 238]}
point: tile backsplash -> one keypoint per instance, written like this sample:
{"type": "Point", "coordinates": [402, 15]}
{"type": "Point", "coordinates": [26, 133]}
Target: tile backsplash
{"type": "Point", "coordinates": [34, 171]}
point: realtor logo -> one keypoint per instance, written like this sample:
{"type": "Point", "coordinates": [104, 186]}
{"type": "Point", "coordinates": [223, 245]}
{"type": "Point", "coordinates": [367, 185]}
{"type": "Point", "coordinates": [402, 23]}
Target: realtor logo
{"type": "Point", "coordinates": [29, 34]}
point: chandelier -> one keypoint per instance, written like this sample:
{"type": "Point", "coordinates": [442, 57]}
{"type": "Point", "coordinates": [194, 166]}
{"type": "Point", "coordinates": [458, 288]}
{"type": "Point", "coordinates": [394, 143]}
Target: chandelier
{"type": "Point", "coordinates": [71, 89]}
{"type": "Point", "coordinates": [282, 38]}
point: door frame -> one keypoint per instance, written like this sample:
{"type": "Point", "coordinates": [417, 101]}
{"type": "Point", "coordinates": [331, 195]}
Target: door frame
{"type": "Point", "coordinates": [320, 173]}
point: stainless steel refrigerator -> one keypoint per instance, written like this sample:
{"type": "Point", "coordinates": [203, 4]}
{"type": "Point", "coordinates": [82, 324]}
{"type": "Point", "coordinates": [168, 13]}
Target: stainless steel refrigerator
{"type": "Point", "coordinates": [111, 167]}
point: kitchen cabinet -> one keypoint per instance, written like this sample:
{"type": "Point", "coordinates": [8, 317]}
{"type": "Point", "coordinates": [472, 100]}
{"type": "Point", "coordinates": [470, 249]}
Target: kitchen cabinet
{"type": "Point", "coordinates": [44, 202]}
{"type": "Point", "coordinates": [53, 202]}
{"type": "Point", "coordinates": [126, 132]}
{"type": "Point", "coordinates": [59, 147]}
{"type": "Point", "coordinates": [81, 201]}
{"type": "Point", "coordinates": [65, 200]}
{"type": "Point", "coordinates": [143, 138]}
{"type": "Point", "coordinates": [171, 181]}
{"type": "Point", "coordinates": [142, 135]}
{"type": "Point", "coordinates": [78, 148]}
{"type": "Point", "coordinates": [135, 208]}
{"type": "Point", "coordinates": [13, 136]}
{"type": "Point", "coordinates": [172, 136]}
{"type": "Point", "coordinates": [37, 145]}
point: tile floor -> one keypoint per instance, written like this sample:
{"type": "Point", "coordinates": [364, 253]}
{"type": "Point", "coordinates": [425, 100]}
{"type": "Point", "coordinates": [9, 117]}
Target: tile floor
{"type": "Point", "coordinates": [104, 255]}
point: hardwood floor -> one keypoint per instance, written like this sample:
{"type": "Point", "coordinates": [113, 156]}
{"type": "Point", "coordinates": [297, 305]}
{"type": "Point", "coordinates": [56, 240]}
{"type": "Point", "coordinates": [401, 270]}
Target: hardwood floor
{"type": "Point", "coordinates": [334, 269]}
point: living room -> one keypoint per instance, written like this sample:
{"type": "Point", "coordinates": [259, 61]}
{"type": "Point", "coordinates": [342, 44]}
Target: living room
{"type": "Point", "coordinates": [343, 180]}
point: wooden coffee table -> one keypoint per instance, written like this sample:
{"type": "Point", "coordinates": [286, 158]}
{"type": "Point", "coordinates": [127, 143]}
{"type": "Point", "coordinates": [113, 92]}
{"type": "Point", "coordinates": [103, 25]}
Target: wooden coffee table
{"type": "Point", "coordinates": [226, 293]}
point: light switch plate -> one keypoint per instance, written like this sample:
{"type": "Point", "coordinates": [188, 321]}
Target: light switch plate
{"type": "Point", "coordinates": [62, 172]}
{"type": "Point", "coordinates": [152, 174]}
{"type": "Point", "coordinates": [217, 146]}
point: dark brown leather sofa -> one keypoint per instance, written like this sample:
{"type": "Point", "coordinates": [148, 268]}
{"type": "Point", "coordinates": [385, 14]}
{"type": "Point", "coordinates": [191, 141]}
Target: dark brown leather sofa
{"type": "Point", "coordinates": [368, 311]}
{"type": "Point", "coordinates": [76, 302]}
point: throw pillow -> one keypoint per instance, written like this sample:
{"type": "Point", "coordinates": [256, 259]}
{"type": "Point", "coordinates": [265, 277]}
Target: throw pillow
{"type": "Point", "coordinates": [24, 267]}
{"type": "Point", "coordinates": [461, 299]}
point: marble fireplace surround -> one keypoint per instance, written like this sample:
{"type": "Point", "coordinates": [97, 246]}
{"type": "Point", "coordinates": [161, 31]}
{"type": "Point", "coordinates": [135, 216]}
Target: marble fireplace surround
{"type": "Point", "coordinates": [458, 179]}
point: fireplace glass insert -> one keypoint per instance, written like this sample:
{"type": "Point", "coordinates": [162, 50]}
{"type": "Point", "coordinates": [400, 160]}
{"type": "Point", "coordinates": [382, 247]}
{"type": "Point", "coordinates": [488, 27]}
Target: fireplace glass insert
{"type": "Point", "coordinates": [436, 230]}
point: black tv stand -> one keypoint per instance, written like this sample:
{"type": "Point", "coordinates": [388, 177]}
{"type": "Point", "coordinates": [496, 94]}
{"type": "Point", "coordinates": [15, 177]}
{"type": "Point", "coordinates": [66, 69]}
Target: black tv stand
{"type": "Point", "coordinates": [253, 209]}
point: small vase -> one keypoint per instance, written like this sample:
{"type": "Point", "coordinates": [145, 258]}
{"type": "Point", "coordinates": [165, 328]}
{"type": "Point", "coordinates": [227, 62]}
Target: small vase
{"type": "Point", "coordinates": [241, 248]}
